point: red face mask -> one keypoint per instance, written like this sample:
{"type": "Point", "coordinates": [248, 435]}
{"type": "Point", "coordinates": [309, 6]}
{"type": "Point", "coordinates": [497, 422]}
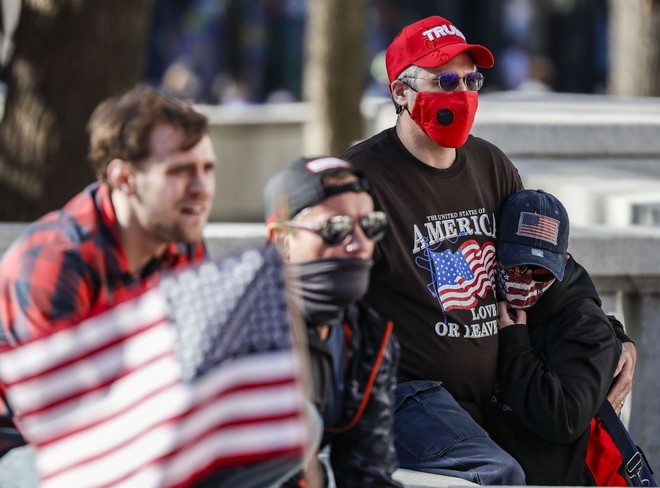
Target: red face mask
{"type": "Point", "coordinates": [446, 117]}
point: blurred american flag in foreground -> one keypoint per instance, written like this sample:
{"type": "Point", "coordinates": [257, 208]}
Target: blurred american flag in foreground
{"type": "Point", "coordinates": [168, 386]}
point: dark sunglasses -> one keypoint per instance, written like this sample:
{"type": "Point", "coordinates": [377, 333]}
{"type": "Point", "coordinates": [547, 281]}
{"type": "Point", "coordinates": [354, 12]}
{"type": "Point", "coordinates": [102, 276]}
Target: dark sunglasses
{"type": "Point", "coordinates": [449, 81]}
{"type": "Point", "coordinates": [334, 230]}
{"type": "Point", "coordinates": [540, 275]}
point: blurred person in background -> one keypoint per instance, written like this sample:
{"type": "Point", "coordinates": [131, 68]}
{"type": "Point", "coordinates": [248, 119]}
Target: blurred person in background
{"type": "Point", "coordinates": [155, 164]}
{"type": "Point", "coordinates": [321, 216]}
{"type": "Point", "coordinates": [145, 215]}
{"type": "Point", "coordinates": [179, 81]}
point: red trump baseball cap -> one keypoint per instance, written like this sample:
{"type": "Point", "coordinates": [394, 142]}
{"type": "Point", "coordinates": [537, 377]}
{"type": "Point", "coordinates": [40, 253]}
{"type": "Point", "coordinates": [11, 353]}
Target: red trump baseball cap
{"type": "Point", "coordinates": [429, 43]}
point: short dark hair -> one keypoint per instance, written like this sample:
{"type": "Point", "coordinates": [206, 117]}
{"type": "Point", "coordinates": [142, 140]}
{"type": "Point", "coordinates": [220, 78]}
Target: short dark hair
{"type": "Point", "coordinates": [120, 126]}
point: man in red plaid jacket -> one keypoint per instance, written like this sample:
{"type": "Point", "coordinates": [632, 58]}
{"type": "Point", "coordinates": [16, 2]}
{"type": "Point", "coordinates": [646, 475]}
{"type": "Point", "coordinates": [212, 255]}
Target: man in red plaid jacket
{"type": "Point", "coordinates": [155, 163]}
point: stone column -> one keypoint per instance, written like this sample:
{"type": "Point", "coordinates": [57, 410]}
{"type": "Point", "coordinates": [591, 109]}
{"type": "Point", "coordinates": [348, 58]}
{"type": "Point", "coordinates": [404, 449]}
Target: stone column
{"type": "Point", "coordinates": [645, 405]}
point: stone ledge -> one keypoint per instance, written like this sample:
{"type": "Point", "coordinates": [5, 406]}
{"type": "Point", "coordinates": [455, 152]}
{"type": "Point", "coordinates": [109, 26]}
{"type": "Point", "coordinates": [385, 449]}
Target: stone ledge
{"type": "Point", "coordinates": [562, 124]}
{"type": "Point", "coordinates": [605, 251]}
{"type": "Point", "coordinates": [253, 142]}
{"type": "Point", "coordinates": [418, 479]}
{"type": "Point", "coordinates": [598, 191]}
{"type": "Point", "coordinates": [618, 259]}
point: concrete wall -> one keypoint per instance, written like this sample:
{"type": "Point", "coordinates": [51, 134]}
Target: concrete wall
{"type": "Point", "coordinates": [601, 155]}
{"type": "Point", "coordinates": [251, 143]}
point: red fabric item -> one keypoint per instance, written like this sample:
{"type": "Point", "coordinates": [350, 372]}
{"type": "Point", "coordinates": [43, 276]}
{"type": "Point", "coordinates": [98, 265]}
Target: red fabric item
{"type": "Point", "coordinates": [603, 457]}
{"type": "Point", "coordinates": [429, 43]}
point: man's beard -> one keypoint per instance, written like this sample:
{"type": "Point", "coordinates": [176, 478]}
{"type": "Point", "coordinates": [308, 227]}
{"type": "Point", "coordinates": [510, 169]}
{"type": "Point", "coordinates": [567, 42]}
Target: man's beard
{"type": "Point", "coordinates": [175, 232]}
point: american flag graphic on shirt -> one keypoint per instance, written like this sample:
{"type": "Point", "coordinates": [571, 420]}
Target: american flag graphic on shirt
{"type": "Point", "coordinates": [538, 227]}
{"type": "Point", "coordinates": [461, 277]}
{"type": "Point", "coordinates": [186, 378]}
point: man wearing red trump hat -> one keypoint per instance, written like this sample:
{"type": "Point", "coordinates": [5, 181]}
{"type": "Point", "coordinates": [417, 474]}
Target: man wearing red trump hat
{"type": "Point", "coordinates": [442, 189]}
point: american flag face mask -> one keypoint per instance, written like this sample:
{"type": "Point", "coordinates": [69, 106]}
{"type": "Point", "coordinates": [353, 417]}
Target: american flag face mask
{"type": "Point", "coordinates": [520, 287]}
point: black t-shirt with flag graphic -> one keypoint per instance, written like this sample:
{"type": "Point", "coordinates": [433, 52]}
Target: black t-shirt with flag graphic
{"type": "Point", "coordinates": [434, 272]}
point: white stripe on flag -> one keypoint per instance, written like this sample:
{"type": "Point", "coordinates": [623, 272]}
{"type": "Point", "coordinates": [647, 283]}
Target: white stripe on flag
{"type": "Point", "coordinates": [43, 354]}
{"type": "Point", "coordinates": [97, 405]}
{"type": "Point", "coordinates": [241, 440]}
{"type": "Point", "coordinates": [83, 375]}
{"type": "Point", "coordinates": [231, 441]}
{"type": "Point", "coordinates": [120, 432]}
{"type": "Point", "coordinates": [246, 439]}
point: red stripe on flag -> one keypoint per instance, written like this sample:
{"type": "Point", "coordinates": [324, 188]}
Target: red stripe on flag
{"type": "Point", "coordinates": [233, 461]}
{"type": "Point", "coordinates": [138, 434]}
{"type": "Point", "coordinates": [92, 352]}
{"type": "Point", "coordinates": [100, 386]}
{"type": "Point", "coordinates": [103, 419]}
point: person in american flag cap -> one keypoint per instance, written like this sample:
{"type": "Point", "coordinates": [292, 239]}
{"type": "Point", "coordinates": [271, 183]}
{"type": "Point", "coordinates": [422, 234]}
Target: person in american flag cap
{"type": "Point", "coordinates": [558, 351]}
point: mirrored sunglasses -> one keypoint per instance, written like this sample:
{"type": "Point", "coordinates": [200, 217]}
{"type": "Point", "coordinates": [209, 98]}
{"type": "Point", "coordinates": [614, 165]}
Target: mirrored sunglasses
{"type": "Point", "coordinates": [449, 81]}
{"type": "Point", "coordinates": [540, 275]}
{"type": "Point", "coordinates": [334, 230]}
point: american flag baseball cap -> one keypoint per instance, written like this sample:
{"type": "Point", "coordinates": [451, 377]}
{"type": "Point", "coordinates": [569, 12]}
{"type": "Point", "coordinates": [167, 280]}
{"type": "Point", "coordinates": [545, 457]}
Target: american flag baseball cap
{"type": "Point", "coordinates": [533, 230]}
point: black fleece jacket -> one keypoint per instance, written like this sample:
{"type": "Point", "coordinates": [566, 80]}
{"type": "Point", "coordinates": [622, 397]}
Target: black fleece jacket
{"type": "Point", "coordinates": [553, 374]}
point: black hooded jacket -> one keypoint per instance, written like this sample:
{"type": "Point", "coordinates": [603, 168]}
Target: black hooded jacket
{"type": "Point", "coordinates": [553, 374]}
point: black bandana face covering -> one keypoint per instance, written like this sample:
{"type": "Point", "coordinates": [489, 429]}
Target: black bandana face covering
{"type": "Point", "coordinates": [323, 288]}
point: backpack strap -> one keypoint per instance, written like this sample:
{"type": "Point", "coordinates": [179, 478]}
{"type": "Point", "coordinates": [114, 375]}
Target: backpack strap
{"type": "Point", "coordinates": [633, 458]}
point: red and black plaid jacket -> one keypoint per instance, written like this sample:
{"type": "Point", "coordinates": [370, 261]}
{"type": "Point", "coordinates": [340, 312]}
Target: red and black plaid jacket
{"type": "Point", "coordinates": [68, 261]}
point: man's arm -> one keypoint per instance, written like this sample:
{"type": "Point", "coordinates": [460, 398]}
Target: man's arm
{"type": "Point", "coordinates": [40, 285]}
{"type": "Point", "coordinates": [625, 371]}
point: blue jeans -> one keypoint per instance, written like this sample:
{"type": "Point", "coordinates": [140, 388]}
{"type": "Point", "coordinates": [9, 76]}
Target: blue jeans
{"type": "Point", "coordinates": [433, 433]}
